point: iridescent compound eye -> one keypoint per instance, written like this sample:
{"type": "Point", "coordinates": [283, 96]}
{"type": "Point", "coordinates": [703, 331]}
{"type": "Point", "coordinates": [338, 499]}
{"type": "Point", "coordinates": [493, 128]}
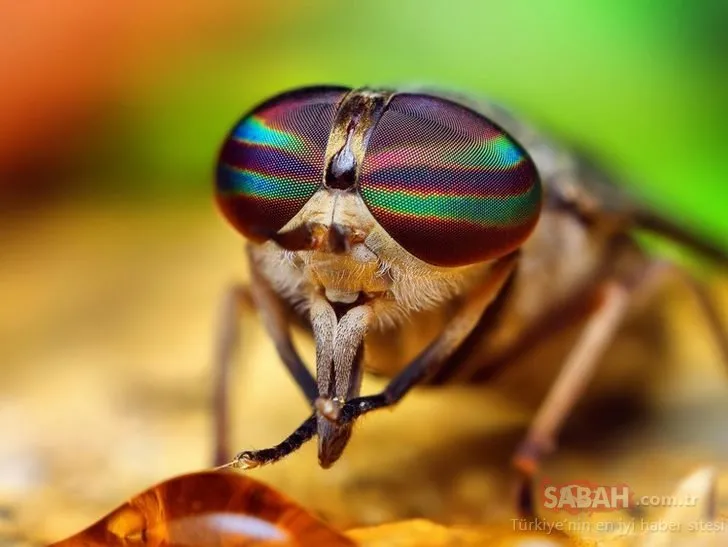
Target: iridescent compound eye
{"type": "Point", "coordinates": [273, 160]}
{"type": "Point", "coordinates": [446, 184]}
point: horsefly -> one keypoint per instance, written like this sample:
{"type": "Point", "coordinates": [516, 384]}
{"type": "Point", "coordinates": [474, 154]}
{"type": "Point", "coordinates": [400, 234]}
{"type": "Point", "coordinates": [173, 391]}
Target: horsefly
{"type": "Point", "coordinates": [376, 215]}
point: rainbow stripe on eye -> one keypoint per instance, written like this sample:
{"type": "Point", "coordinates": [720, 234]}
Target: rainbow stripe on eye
{"type": "Point", "coordinates": [273, 160]}
{"type": "Point", "coordinates": [503, 211]}
{"type": "Point", "coordinates": [254, 131]}
{"type": "Point", "coordinates": [499, 149]}
{"type": "Point", "coordinates": [446, 184]}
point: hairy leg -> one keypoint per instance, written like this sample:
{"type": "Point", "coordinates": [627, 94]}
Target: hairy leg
{"type": "Point", "coordinates": [273, 314]}
{"type": "Point", "coordinates": [614, 298]}
{"type": "Point", "coordinates": [424, 365]}
{"type": "Point", "coordinates": [226, 341]}
{"type": "Point", "coordinates": [573, 379]}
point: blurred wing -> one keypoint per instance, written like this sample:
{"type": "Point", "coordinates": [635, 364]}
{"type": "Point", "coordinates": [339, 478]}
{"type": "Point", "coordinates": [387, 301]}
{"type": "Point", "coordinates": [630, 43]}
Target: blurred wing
{"type": "Point", "coordinates": [613, 199]}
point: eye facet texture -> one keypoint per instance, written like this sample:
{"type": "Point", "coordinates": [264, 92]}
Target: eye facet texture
{"type": "Point", "coordinates": [273, 160]}
{"type": "Point", "coordinates": [446, 184]}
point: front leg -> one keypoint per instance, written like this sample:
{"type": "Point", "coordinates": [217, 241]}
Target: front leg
{"type": "Point", "coordinates": [258, 296]}
{"type": "Point", "coordinates": [435, 356]}
{"type": "Point", "coordinates": [610, 309]}
{"type": "Point", "coordinates": [426, 364]}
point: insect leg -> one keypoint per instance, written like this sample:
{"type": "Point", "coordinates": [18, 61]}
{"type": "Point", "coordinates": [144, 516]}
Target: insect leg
{"type": "Point", "coordinates": [582, 362]}
{"type": "Point", "coordinates": [256, 458]}
{"type": "Point", "coordinates": [425, 364]}
{"type": "Point", "coordinates": [570, 384]}
{"type": "Point", "coordinates": [562, 315]}
{"type": "Point", "coordinates": [226, 341]}
{"type": "Point", "coordinates": [274, 316]}
{"type": "Point", "coordinates": [275, 321]}
{"type": "Point", "coordinates": [436, 354]}
{"type": "Point", "coordinates": [338, 352]}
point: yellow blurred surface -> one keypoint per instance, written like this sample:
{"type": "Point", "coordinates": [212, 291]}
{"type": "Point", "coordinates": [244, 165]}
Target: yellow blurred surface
{"type": "Point", "coordinates": [105, 344]}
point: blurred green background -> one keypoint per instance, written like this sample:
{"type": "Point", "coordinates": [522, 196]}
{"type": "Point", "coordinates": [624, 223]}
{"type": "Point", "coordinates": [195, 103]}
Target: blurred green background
{"type": "Point", "coordinates": [131, 100]}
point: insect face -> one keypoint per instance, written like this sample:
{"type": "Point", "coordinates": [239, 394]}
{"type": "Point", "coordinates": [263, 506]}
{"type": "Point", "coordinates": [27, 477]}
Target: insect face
{"type": "Point", "coordinates": [365, 206]}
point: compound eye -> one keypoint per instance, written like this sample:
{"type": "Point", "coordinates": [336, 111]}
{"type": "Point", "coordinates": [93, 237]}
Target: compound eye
{"type": "Point", "coordinates": [447, 184]}
{"type": "Point", "coordinates": [273, 160]}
